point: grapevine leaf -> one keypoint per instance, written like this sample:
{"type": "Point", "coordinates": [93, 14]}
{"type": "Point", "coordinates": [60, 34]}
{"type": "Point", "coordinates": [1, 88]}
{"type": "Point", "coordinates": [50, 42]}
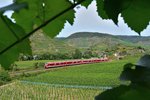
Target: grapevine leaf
{"type": "Point", "coordinates": [113, 8]}
{"type": "Point", "coordinates": [25, 17]}
{"type": "Point", "coordinates": [70, 15]}
{"type": "Point", "coordinates": [137, 15]}
{"type": "Point", "coordinates": [53, 8]}
{"type": "Point", "coordinates": [9, 35]}
{"type": "Point", "coordinates": [59, 24]}
{"type": "Point", "coordinates": [86, 3]}
{"type": "Point", "coordinates": [14, 6]}
{"type": "Point", "coordinates": [42, 10]}
{"type": "Point", "coordinates": [100, 9]}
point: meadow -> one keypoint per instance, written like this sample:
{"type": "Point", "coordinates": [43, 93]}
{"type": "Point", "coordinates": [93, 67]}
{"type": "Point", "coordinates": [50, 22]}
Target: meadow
{"type": "Point", "coordinates": [67, 83]}
{"type": "Point", "coordinates": [99, 74]}
{"type": "Point", "coordinates": [19, 91]}
{"type": "Point", "coordinates": [26, 65]}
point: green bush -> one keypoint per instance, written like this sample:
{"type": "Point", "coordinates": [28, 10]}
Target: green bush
{"type": "Point", "coordinates": [4, 77]}
{"type": "Point", "coordinates": [25, 74]}
{"type": "Point", "coordinates": [13, 67]}
{"type": "Point", "coordinates": [38, 65]}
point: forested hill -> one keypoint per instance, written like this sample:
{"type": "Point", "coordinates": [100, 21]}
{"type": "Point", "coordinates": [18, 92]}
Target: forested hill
{"type": "Point", "coordinates": [133, 39]}
{"type": "Point", "coordinates": [89, 34]}
{"type": "Point", "coordinates": [85, 40]}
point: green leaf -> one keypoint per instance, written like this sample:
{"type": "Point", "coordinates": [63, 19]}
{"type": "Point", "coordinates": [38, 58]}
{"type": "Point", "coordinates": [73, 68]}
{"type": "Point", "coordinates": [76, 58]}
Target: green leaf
{"type": "Point", "coordinates": [14, 6]}
{"type": "Point", "coordinates": [10, 33]}
{"type": "Point", "coordinates": [85, 3]}
{"type": "Point", "coordinates": [137, 15]}
{"type": "Point", "coordinates": [55, 7]}
{"type": "Point", "coordinates": [42, 10]}
{"type": "Point", "coordinates": [100, 9]}
{"type": "Point", "coordinates": [113, 8]}
{"type": "Point", "coordinates": [53, 28]}
{"type": "Point", "coordinates": [70, 15]}
{"type": "Point", "coordinates": [25, 17]}
{"type": "Point", "coordinates": [110, 9]}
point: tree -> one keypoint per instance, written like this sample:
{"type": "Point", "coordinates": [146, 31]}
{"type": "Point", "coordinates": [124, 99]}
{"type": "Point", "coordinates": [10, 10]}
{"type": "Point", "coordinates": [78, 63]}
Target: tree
{"type": "Point", "coordinates": [50, 16]}
{"type": "Point", "coordinates": [77, 54]}
{"type": "Point", "coordinates": [88, 54]}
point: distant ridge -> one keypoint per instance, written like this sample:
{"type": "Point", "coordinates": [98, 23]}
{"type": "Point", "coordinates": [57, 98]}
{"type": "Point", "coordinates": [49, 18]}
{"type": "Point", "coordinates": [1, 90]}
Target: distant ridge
{"type": "Point", "coordinates": [89, 34]}
{"type": "Point", "coordinates": [127, 38]}
{"type": "Point", "coordinates": [99, 42]}
{"type": "Point", "coordinates": [134, 39]}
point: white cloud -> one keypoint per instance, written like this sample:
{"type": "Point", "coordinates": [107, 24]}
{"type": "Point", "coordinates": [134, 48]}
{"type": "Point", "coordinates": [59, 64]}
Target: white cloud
{"type": "Point", "coordinates": [88, 20]}
{"type": "Point", "coordinates": [5, 3]}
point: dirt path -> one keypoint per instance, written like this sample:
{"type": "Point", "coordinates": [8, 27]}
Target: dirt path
{"type": "Point", "coordinates": [7, 84]}
{"type": "Point", "coordinates": [34, 71]}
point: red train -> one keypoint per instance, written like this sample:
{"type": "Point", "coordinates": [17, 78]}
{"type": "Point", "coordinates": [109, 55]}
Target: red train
{"type": "Point", "coordinates": [73, 62]}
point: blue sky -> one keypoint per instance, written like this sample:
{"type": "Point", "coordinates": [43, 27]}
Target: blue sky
{"type": "Point", "coordinates": [87, 20]}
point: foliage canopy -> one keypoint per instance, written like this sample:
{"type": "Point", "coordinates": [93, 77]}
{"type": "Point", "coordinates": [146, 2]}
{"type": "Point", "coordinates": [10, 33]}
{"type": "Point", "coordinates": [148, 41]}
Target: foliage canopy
{"type": "Point", "coordinates": [50, 16]}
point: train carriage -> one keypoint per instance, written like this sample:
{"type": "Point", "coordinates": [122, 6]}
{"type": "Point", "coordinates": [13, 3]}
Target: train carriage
{"type": "Point", "coordinates": [73, 62]}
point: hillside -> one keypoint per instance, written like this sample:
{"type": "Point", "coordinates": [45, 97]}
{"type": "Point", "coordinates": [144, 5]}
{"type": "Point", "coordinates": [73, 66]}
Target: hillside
{"type": "Point", "coordinates": [143, 41]}
{"type": "Point", "coordinates": [89, 34]}
{"type": "Point", "coordinates": [95, 40]}
{"type": "Point", "coordinates": [83, 41]}
{"type": "Point", "coordinates": [41, 44]}
{"type": "Point", "coordinates": [132, 39]}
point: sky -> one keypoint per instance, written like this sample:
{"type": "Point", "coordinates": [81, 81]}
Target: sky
{"type": "Point", "coordinates": [5, 3]}
{"type": "Point", "coordinates": [87, 20]}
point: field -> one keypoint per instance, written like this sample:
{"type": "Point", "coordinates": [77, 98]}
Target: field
{"type": "Point", "coordinates": [99, 74]}
{"type": "Point", "coordinates": [19, 91]}
{"type": "Point", "coordinates": [81, 82]}
{"type": "Point", "coordinates": [26, 65]}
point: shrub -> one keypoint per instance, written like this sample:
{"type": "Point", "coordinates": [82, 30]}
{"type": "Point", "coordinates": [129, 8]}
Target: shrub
{"type": "Point", "coordinates": [4, 77]}
{"type": "Point", "coordinates": [38, 65]}
{"type": "Point", "coordinates": [14, 67]}
{"type": "Point", "coordinates": [25, 74]}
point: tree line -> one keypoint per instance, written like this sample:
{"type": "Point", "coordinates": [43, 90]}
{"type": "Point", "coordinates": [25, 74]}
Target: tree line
{"type": "Point", "coordinates": [77, 54]}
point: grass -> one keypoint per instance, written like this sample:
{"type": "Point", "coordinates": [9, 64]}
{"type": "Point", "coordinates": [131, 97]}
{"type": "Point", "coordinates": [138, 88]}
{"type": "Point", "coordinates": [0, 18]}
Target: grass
{"type": "Point", "coordinates": [19, 91]}
{"type": "Point", "coordinates": [99, 74]}
{"type": "Point", "coordinates": [30, 64]}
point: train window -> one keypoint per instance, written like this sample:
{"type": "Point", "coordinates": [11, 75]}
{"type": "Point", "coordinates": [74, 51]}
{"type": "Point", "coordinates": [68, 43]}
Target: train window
{"type": "Point", "coordinates": [57, 63]}
{"type": "Point", "coordinates": [51, 64]}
